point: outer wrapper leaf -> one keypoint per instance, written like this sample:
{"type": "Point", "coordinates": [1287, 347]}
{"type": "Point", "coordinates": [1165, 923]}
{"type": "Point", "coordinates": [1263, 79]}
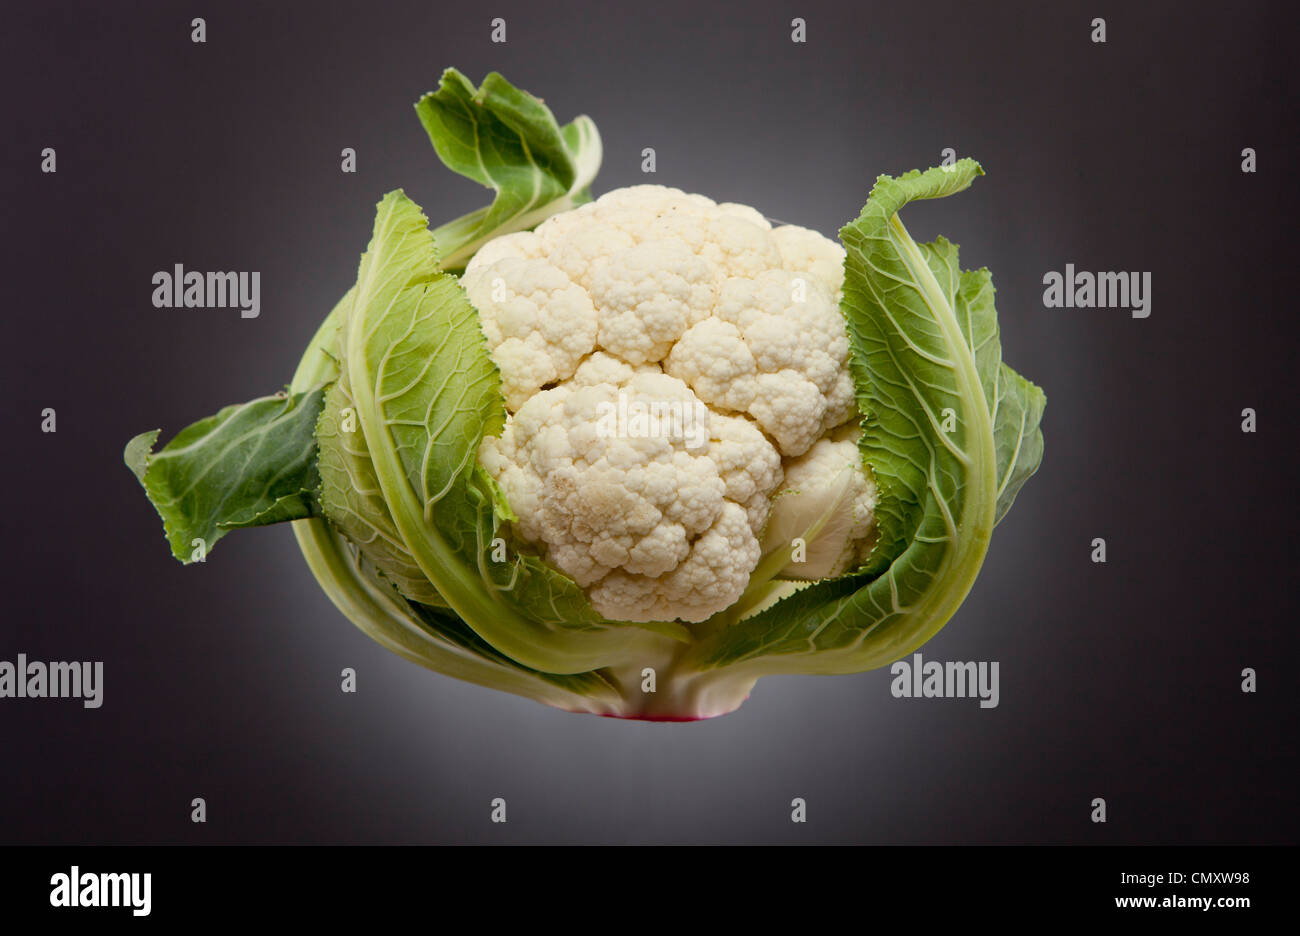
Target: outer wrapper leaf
{"type": "Point", "coordinates": [432, 637]}
{"type": "Point", "coordinates": [250, 464]}
{"type": "Point", "coordinates": [356, 502]}
{"type": "Point", "coordinates": [924, 346]}
{"type": "Point", "coordinates": [509, 141]}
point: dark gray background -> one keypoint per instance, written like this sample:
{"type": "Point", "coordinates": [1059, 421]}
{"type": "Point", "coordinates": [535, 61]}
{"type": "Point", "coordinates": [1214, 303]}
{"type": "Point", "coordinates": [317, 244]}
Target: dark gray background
{"type": "Point", "coordinates": [1118, 680]}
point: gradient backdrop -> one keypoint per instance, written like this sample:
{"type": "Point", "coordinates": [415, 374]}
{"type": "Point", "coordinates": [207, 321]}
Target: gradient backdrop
{"type": "Point", "coordinates": [222, 681]}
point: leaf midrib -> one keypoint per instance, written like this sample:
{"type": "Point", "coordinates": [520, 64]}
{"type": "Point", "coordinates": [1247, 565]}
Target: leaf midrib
{"type": "Point", "coordinates": [978, 506]}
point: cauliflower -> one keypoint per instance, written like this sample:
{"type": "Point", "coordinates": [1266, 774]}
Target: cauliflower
{"type": "Point", "coordinates": [665, 360]}
{"type": "Point", "coordinates": [605, 455]}
{"type": "Point", "coordinates": [537, 321]}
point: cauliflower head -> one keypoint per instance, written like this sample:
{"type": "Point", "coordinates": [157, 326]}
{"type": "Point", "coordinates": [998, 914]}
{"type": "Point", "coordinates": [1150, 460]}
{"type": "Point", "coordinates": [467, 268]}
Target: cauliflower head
{"type": "Point", "coordinates": [666, 361]}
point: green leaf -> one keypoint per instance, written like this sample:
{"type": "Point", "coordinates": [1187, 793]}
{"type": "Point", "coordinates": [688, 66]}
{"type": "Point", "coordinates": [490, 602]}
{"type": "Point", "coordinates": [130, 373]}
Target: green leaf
{"type": "Point", "coordinates": [425, 390]}
{"type": "Point", "coordinates": [431, 637]}
{"type": "Point", "coordinates": [509, 141]}
{"type": "Point", "coordinates": [251, 464]}
{"type": "Point", "coordinates": [1017, 405]}
{"type": "Point", "coordinates": [924, 348]}
{"type": "Point", "coordinates": [136, 453]}
{"type": "Point", "coordinates": [1019, 408]}
{"type": "Point", "coordinates": [353, 500]}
